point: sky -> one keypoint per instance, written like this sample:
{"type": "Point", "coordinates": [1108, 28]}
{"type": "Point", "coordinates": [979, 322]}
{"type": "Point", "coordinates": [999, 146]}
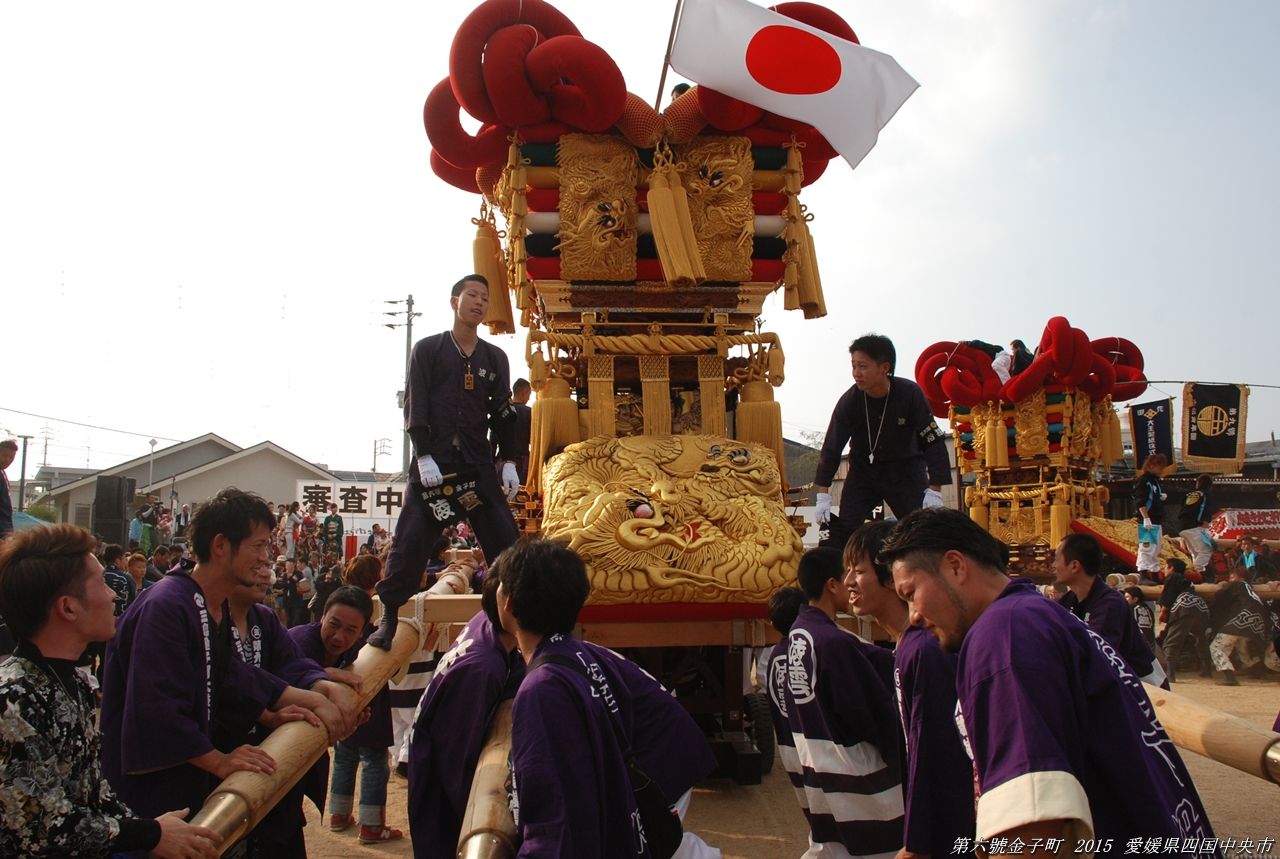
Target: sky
{"type": "Point", "coordinates": [203, 208]}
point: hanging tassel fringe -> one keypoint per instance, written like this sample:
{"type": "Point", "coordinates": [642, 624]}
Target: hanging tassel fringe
{"type": "Point", "coordinates": [655, 394]}
{"type": "Point", "coordinates": [672, 227]}
{"type": "Point", "coordinates": [553, 426]}
{"type": "Point", "coordinates": [487, 259]}
{"type": "Point", "coordinates": [777, 366]}
{"type": "Point", "coordinates": [601, 410]}
{"type": "Point", "coordinates": [759, 419]}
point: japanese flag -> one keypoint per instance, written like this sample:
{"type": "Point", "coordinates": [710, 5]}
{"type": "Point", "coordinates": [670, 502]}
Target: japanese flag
{"type": "Point", "coordinates": [846, 91]}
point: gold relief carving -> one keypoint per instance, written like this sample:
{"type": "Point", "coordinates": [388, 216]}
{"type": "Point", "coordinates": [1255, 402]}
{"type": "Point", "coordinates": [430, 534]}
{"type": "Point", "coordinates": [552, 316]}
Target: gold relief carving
{"type": "Point", "coordinates": [598, 178]}
{"type": "Point", "coordinates": [663, 519]}
{"type": "Point", "coordinates": [716, 174]}
{"type": "Point", "coordinates": [1124, 533]}
{"type": "Point", "coordinates": [1081, 425]}
{"type": "Point", "coordinates": [1031, 426]}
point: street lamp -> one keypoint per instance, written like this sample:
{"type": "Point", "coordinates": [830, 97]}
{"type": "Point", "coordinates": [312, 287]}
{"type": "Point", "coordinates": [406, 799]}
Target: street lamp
{"type": "Point", "coordinates": [151, 465]}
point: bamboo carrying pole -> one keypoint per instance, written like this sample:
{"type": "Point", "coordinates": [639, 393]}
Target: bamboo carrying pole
{"type": "Point", "coordinates": [488, 830]}
{"type": "Point", "coordinates": [237, 805]}
{"type": "Point", "coordinates": [1216, 735]}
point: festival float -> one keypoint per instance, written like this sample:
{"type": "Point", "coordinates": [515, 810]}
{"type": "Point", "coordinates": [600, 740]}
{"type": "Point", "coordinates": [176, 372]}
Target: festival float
{"type": "Point", "coordinates": [637, 248]}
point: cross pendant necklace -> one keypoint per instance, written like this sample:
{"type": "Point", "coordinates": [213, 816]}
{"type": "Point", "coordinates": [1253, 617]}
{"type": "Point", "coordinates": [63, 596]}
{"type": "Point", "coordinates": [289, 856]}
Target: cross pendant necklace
{"type": "Point", "coordinates": [468, 380]}
{"type": "Point", "coordinates": [866, 413]}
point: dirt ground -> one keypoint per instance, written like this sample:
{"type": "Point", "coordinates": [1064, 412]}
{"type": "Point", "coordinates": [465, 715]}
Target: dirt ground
{"type": "Point", "coordinates": [764, 821]}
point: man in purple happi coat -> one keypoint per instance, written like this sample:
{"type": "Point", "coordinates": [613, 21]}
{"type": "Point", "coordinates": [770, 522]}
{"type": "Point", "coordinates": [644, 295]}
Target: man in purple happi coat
{"type": "Point", "coordinates": [576, 708]}
{"type": "Point", "coordinates": [171, 665]}
{"type": "Point", "coordinates": [477, 673]}
{"type": "Point", "coordinates": [938, 775]}
{"type": "Point", "coordinates": [1077, 563]}
{"type": "Point", "coordinates": [1068, 751]}
{"type": "Point", "coordinates": [840, 709]}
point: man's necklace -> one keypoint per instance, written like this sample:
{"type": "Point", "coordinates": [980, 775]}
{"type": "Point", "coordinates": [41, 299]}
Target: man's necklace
{"type": "Point", "coordinates": [866, 413]}
{"type": "Point", "coordinates": [468, 380]}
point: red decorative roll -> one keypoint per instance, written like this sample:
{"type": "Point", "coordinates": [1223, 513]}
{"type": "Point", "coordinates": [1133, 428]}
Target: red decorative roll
{"type": "Point", "coordinates": [450, 141]}
{"type": "Point", "coordinates": [584, 86]}
{"type": "Point", "coordinates": [514, 100]}
{"type": "Point", "coordinates": [458, 177]}
{"type": "Point", "coordinates": [466, 54]}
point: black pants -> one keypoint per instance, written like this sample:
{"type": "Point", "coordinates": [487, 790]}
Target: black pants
{"type": "Point", "coordinates": [416, 531]}
{"type": "Point", "coordinates": [1187, 634]}
{"type": "Point", "coordinates": [901, 485]}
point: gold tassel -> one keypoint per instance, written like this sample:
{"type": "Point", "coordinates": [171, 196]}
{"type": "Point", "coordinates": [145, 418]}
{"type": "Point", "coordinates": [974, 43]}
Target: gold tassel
{"type": "Point", "coordinates": [687, 236]}
{"type": "Point", "coordinates": [486, 255]}
{"type": "Point", "coordinates": [601, 411]}
{"type": "Point", "coordinates": [553, 425]}
{"type": "Point", "coordinates": [759, 419]}
{"type": "Point", "coordinates": [537, 370]}
{"type": "Point", "coordinates": [811, 297]}
{"type": "Point", "coordinates": [655, 393]}
{"type": "Point", "coordinates": [711, 393]}
{"type": "Point", "coordinates": [791, 275]}
{"type": "Point", "coordinates": [777, 365]}
{"type": "Point", "coordinates": [669, 232]}
{"type": "Point", "coordinates": [992, 453]}
{"type": "Point", "coordinates": [1059, 517]}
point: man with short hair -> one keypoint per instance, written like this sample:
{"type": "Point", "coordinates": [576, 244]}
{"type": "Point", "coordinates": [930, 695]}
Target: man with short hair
{"type": "Point", "coordinates": [331, 531]}
{"type": "Point", "coordinates": [171, 664]}
{"type": "Point", "coordinates": [1065, 742]}
{"type": "Point", "coordinates": [51, 786]}
{"type": "Point", "coordinates": [117, 578]}
{"type": "Point", "coordinates": [1186, 618]}
{"type": "Point", "coordinates": [1077, 561]}
{"type": "Point", "coordinates": [158, 565]}
{"type": "Point", "coordinates": [896, 451]}
{"type": "Point", "coordinates": [335, 642]}
{"type": "Point", "coordinates": [938, 779]}
{"type": "Point", "coordinates": [1193, 523]}
{"type": "Point", "coordinates": [451, 723]}
{"type": "Point", "coordinates": [840, 709]}
{"type": "Point", "coordinates": [520, 393]}
{"type": "Point", "coordinates": [575, 716]}
{"type": "Point", "coordinates": [458, 389]}
{"type": "Point", "coordinates": [1240, 621]}
{"type": "Point", "coordinates": [8, 451]}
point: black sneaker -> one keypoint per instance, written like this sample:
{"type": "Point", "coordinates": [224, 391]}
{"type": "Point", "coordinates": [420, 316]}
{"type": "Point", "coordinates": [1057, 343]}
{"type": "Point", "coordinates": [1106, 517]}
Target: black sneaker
{"type": "Point", "coordinates": [402, 769]}
{"type": "Point", "coordinates": [1228, 678]}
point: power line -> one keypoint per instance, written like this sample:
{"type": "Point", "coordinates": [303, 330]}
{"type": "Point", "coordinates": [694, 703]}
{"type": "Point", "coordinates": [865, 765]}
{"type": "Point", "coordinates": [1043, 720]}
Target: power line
{"type": "Point", "coordinates": [1197, 382]}
{"type": "Point", "coordinates": [89, 426]}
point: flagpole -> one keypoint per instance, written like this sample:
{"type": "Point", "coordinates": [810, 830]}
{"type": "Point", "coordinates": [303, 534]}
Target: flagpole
{"type": "Point", "coordinates": [666, 60]}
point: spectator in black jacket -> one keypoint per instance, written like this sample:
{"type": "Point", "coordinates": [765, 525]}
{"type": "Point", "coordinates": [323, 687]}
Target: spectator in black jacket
{"type": "Point", "coordinates": [1149, 497]}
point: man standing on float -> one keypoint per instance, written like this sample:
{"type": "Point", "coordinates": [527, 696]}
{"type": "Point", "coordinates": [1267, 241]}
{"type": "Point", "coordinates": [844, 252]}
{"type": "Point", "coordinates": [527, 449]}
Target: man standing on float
{"type": "Point", "coordinates": [896, 451]}
{"type": "Point", "coordinates": [458, 387]}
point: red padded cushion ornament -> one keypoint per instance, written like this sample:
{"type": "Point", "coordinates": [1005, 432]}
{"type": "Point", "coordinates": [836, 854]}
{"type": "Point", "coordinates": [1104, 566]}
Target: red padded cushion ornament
{"type": "Point", "coordinates": [726, 112]}
{"type": "Point", "coordinates": [768, 202]}
{"type": "Point", "coordinates": [466, 67]}
{"type": "Point", "coordinates": [544, 132]}
{"type": "Point", "coordinates": [1130, 383]}
{"type": "Point", "coordinates": [1118, 350]}
{"type": "Point", "coordinates": [543, 199]}
{"type": "Point", "coordinates": [1081, 359]}
{"type": "Point", "coordinates": [451, 141]}
{"type": "Point", "coordinates": [513, 97]}
{"type": "Point", "coordinates": [1101, 380]}
{"type": "Point", "coordinates": [1025, 383]}
{"type": "Point", "coordinates": [458, 177]}
{"type": "Point", "coordinates": [584, 86]}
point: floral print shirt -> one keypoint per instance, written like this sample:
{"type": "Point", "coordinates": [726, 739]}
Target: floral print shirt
{"type": "Point", "coordinates": [54, 800]}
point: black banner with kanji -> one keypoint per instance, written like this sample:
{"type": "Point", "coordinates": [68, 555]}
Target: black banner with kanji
{"type": "Point", "coordinates": [1151, 427]}
{"type": "Point", "coordinates": [1213, 422]}
{"type": "Point", "coordinates": [453, 500]}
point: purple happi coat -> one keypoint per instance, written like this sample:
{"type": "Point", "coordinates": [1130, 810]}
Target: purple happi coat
{"type": "Point", "coordinates": [169, 675]}
{"type": "Point", "coordinates": [1060, 728]}
{"type": "Point", "coordinates": [846, 735]}
{"type": "Point", "coordinates": [572, 792]}
{"type": "Point", "coordinates": [449, 730]}
{"type": "Point", "coordinates": [938, 779]}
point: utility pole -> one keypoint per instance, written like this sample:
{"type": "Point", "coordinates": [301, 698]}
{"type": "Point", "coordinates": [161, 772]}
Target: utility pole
{"type": "Point", "coordinates": [380, 446]}
{"type": "Point", "coordinates": [22, 476]}
{"type": "Point", "coordinates": [408, 351]}
{"type": "Point", "coordinates": [46, 433]}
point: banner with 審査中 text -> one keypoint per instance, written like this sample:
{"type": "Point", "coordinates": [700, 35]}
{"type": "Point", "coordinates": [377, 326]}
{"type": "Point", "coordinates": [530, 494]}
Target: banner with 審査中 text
{"type": "Point", "coordinates": [1213, 420]}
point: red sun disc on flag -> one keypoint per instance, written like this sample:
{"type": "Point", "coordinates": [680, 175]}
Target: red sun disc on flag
{"type": "Point", "coordinates": [792, 61]}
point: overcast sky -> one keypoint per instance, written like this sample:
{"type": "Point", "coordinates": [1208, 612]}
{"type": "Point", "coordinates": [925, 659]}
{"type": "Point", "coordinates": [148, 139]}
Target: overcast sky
{"type": "Point", "coordinates": [203, 206]}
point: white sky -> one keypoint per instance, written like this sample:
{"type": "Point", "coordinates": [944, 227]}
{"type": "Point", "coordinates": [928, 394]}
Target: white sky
{"type": "Point", "coordinates": [202, 207]}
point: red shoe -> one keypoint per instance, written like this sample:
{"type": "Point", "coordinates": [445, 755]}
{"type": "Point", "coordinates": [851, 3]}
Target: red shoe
{"type": "Point", "coordinates": [340, 822]}
{"type": "Point", "coordinates": [379, 834]}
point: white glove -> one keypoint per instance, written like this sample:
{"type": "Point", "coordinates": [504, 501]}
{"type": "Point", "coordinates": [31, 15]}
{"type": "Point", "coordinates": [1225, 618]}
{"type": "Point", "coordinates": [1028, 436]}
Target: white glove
{"type": "Point", "coordinates": [1164, 496]}
{"type": "Point", "coordinates": [510, 480]}
{"type": "Point", "coordinates": [429, 471]}
{"type": "Point", "coordinates": [823, 512]}
{"type": "Point", "coordinates": [932, 498]}
{"type": "Point", "coordinates": [1146, 520]}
